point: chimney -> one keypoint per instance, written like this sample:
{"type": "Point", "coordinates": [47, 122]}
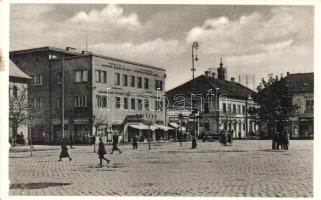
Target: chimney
{"type": "Point", "coordinates": [86, 52]}
{"type": "Point", "coordinates": [213, 75]}
{"type": "Point", "coordinates": [71, 49]}
{"type": "Point", "coordinates": [207, 73]}
{"type": "Point", "coordinates": [287, 73]}
{"type": "Point", "coordinates": [233, 79]}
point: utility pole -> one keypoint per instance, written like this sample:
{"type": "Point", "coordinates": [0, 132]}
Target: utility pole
{"type": "Point", "coordinates": [62, 96]}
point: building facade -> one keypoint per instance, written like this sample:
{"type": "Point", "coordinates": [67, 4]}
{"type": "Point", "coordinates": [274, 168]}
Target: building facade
{"type": "Point", "coordinates": [101, 94]}
{"type": "Point", "coordinates": [301, 88]}
{"type": "Point", "coordinates": [220, 104]}
{"type": "Point", "coordinates": [18, 105]}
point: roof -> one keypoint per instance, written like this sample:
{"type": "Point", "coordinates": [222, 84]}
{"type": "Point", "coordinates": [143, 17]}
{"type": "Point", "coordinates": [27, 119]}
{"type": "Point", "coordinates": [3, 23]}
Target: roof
{"type": "Point", "coordinates": [300, 82]}
{"type": "Point", "coordinates": [86, 53]}
{"type": "Point", "coordinates": [14, 71]}
{"type": "Point", "coordinates": [204, 83]}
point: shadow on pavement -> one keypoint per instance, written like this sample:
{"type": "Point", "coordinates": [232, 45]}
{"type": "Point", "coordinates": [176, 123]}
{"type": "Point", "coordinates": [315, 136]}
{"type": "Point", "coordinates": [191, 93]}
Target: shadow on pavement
{"type": "Point", "coordinates": [35, 185]}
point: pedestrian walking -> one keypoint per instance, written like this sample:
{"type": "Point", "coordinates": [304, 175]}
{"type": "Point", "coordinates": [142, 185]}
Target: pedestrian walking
{"type": "Point", "coordinates": [64, 150]}
{"type": "Point", "coordinates": [229, 138]}
{"type": "Point", "coordinates": [102, 152]}
{"type": "Point", "coordinates": [135, 145]}
{"type": "Point", "coordinates": [115, 142]}
{"type": "Point", "coordinates": [70, 141]}
{"type": "Point", "coordinates": [285, 141]}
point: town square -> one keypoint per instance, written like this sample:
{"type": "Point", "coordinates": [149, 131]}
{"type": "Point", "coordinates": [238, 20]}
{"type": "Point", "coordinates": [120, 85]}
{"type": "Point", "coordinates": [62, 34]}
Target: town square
{"type": "Point", "coordinates": [160, 100]}
{"type": "Point", "coordinates": [245, 169]}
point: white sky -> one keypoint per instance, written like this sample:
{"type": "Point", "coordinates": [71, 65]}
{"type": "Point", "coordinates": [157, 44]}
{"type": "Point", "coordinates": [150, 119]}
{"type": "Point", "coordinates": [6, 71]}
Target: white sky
{"type": "Point", "coordinates": [251, 39]}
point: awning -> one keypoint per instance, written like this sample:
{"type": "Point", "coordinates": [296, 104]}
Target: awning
{"type": "Point", "coordinates": [142, 126]}
{"type": "Point", "coordinates": [173, 124]}
{"type": "Point", "coordinates": [162, 127]}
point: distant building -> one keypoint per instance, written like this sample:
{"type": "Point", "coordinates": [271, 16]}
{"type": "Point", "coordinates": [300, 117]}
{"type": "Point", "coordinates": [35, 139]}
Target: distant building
{"type": "Point", "coordinates": [220, 104]}
{"type": "Point", "coordinates": [18, 104]}
{"type": "Point", "coordinates": [301, 87]}
{"type": "Point", "coordinates": [101, 94]}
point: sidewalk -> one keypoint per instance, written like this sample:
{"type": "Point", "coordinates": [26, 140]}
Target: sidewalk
{"type": "Point", "coordinates": [25, 148]}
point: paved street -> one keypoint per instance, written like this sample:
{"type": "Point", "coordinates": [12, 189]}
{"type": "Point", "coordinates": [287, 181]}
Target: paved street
{"type": "Point", "coordinates": [248, 168]}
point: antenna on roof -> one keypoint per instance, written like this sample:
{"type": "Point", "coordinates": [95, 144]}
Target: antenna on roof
{"type": "Point", "coordinates": [86, 43]}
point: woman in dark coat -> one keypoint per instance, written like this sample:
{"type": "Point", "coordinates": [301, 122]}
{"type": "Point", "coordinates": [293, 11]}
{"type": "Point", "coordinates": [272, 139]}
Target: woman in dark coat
{"type": "Point", "coordinates": [135, 141]}
{"type": "Point", "coordinates": [102, 152]}
{"type": "Point", "coordinates": [115, 142]}
{"type": "Point", "coordinates": [64, 151]}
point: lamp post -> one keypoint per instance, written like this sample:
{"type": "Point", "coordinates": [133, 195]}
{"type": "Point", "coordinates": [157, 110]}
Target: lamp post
{"type": "Point", "coordinates": [149, 119]}
{"type": "Point", "coordinates": [217, 110]}
{"type": "Point", "coordinates": [194, 47]}
{"type": "Point", "coordinates": [93, 136]}
{"type": "Point", "coordinates": [180, 117]}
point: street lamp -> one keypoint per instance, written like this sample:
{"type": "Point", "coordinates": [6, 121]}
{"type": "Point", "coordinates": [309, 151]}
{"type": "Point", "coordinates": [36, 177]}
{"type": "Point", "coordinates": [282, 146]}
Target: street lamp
{"type": "Point", "coordinates": [217, 109]}
{"type": "Point", "coordinates": [94, 140]}
{"type": "Point", "coordinates": [149, 120]}
{"type": "Point", "coordinates": [194, 47]}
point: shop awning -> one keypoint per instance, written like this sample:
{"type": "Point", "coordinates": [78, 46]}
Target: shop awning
{"type": "Point", "coordinates": [162, 127]}
{"type": "Point", "coordinates": [173, 124]}
{"type": "Point", "coordinates": [142, 126]}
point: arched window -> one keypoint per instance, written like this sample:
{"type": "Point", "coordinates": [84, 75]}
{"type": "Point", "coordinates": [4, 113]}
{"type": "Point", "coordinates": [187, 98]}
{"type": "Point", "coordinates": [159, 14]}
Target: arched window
{"type": "Point", "coordinates": [15, 91]}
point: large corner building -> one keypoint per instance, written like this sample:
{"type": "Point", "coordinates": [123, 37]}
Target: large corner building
{"type": "Point", "coordinates": [101, 94]}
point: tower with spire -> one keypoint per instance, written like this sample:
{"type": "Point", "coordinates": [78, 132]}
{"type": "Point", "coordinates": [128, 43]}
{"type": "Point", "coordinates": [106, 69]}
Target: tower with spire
{"type": "Point", "coordinates": [221, 71]}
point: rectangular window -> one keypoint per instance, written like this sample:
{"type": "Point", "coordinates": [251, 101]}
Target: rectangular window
{"type": "Point", "coordinates": [58, 102]}
{"type": "Point", "coordinates": [139, 82]}
{"type": "Point", "coordinates": [234, 108]}
{"type": "Point", "coordinates": [59, 78]}
{"type": "Point", "coordinates": [146, 104]}
{"type": "Point", "coordinates": [97, 76]}
{"type": "Point", "coordinates": [117, 79]}
{"type": "Point", "coordinates": [80, 101]}
{"type": "Point", "coordinates": [229, 107]}
{"type": "Point", "coordinates": [37, 79]}
{"type": "Point", "coordinates": [224, 107]}
{"type": "Point", "coordinates": [125, 80]}
{"type": "Point", "coordinates": [103, 77]}
{"type": "Point", "coordinates": [133, 104]}
{"type": "Point", "coordinates": [132, 81]}
{"type": "Point", "coordinates": [146, 83]}
{"type": "Point", "coordinates": [243, 110]}
{"type": "Point", "coordinates": [81, 76]}
{"type": "Point", "coordinates": [309, 105]}
{"type": "Point", "coordinates": [125, 103]}
{"type": "Point", "coordinates": [140, 104]}
{"type": "Point", "coordinates": [239, 109]}
{"type": "Point", "coordinates": [38, 103]}
{"type": "Point", "coordinates": [84, 76]}
{"type": "Point", "coordinates": [78, 77]}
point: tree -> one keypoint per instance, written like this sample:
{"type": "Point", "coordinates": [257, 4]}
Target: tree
{"type": "Point", "coordinates": [275, 102]}
{"type": "Point", "coordinates": [18, 109]}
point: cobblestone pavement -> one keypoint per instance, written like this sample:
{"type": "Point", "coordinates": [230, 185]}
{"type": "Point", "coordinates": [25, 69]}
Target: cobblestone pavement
{"type": "Point", "coordinates": [248, 168]}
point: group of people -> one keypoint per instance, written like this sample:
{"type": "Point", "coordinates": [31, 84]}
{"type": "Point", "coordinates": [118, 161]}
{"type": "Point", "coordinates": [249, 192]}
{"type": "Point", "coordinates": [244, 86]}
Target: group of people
{"type": "Point", "coordinates": [280, 139]}
{"type": "Point", "coordinates": [101, 149]}
{"type": "Point", "coordinates": [226, 137]}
